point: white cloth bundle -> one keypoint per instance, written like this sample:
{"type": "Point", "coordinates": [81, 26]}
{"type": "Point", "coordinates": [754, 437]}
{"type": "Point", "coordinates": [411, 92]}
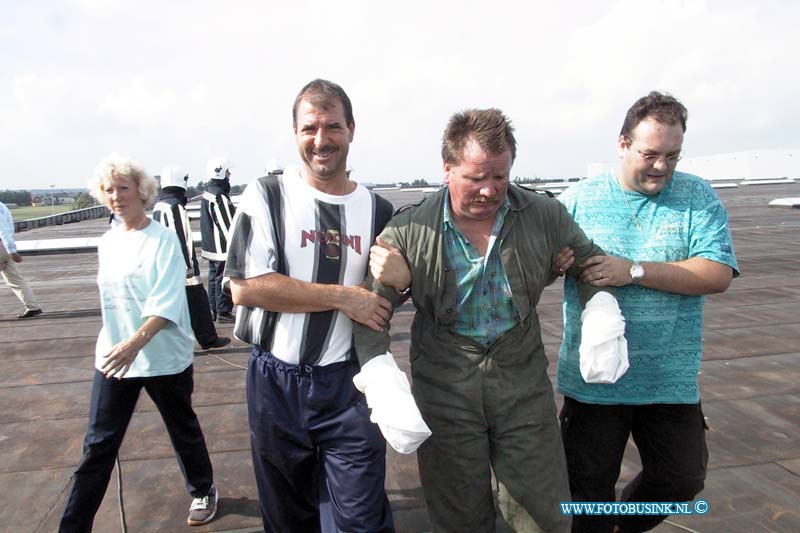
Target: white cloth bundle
{"type": "Point", "coordinates": [393, 407]}
{"type": "Point", "coordinates": [604, 349]}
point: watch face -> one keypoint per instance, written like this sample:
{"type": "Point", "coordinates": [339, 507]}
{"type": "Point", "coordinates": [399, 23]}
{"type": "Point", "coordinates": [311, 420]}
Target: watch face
{"type": "Point", "coordinates": [637, 272]}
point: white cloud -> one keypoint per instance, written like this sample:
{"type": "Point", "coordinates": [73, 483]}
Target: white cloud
{"type": "Point", "coordinates": [102, 7]}
{"type": "Point", "coordinates": [138, 103]}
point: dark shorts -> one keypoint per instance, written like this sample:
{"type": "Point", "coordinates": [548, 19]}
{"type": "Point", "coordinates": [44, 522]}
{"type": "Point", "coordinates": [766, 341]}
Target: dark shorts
{"type": "Point", "coordinates": [671, 442]}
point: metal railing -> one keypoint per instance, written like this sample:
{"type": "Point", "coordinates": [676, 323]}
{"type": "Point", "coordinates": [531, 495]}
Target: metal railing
{"type": "Point", "coordinates": [98, 211]}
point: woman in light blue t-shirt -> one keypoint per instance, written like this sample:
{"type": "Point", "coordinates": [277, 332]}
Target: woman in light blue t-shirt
{"type": "Point", "coordinates": [146, 342]}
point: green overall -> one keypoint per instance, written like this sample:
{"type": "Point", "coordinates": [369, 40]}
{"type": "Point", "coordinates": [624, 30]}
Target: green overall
{"type": "Point", "coordinates": [489, 409]}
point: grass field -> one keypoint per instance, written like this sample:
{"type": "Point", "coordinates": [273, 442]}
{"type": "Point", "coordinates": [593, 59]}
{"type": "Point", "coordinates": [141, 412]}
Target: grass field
{"type": "Point", "coordinates": [27, 212]}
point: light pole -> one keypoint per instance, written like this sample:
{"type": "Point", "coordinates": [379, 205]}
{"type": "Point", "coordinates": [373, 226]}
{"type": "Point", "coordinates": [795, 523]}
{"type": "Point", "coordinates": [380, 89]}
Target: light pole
{"type": "Point", "coordinates": [52, 201]}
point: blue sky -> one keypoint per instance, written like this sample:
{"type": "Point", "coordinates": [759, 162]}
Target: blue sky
{"type": "Point", "coordinates": [182, 81]}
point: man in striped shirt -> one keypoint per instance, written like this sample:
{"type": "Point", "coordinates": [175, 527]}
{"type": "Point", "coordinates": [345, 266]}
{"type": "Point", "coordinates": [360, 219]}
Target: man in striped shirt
{"type": "Point", "coordinates": [299, 252]}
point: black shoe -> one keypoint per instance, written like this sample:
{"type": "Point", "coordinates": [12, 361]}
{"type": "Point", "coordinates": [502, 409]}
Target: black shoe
{"type": "Point", "coordinates": [219, 342]}
{"type": "Point", "coordinates": [226, 318]}
{"type": "Point", "coordinates": [30, 313]}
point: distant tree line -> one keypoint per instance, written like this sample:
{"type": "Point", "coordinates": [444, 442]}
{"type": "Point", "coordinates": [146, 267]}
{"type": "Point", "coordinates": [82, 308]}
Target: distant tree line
{"type": "Point", "coordinates": [413, 184]}
{"type": "Point", "coordinates": [83, 200]}
{"type": "Point", "coordinates": [16, 197]}
{"type": "Point", "coordinates": [517, 179]}
{"type": "Point", "coordinates": [537, 179]}
{"type": "Point", "coordinates": [526, 179]}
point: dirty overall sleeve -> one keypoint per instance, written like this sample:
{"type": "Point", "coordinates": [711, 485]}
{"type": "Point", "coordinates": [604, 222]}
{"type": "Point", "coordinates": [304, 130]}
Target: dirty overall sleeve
{"type": "Point", "coordinates": [571, 234]}
{"type": "Point", "coordinates": [368, 342]}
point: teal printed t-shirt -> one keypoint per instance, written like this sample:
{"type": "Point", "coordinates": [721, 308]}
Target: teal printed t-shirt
{"type": "Point", "coordinates": [142, 274]}
{"type": "Point", "coordinates": [664, 330]}
{"type": "Point", "coordinates": [486, 307]}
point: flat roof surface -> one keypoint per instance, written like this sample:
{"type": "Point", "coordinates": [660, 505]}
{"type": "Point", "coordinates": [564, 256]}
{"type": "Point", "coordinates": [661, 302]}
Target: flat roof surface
{"type": "Point", "coordinates": [750, 388]}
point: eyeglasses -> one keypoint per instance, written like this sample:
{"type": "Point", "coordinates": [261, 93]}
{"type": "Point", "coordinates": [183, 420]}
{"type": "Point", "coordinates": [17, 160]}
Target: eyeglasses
{"type": "Point", "coordinates": [652, 159]}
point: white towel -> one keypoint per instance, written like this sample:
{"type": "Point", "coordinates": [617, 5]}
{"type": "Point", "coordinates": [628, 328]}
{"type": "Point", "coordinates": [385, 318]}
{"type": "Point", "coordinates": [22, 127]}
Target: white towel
{"type": "Point", "coordinates": [393, 407]}
{"type": "Point", "coordinates": [604, 349]}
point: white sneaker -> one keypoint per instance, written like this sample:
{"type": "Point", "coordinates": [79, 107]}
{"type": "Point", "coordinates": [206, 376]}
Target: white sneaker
{"type": "Point", "coordinates": [203, 509]}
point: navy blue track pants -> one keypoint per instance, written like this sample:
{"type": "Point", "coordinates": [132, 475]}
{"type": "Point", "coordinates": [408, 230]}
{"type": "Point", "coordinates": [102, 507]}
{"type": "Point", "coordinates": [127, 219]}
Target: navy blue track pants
{"type": "Point", "coordinates": [306, 422]}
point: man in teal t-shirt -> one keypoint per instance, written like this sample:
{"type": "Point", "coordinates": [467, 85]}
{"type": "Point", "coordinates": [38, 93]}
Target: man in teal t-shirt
{"type": "Point", "coordinates": [668, 244]}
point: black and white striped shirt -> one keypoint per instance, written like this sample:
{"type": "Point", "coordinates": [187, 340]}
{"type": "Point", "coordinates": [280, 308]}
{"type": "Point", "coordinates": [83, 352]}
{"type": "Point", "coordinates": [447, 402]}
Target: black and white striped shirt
{"type": "Point", "coordinates": [170, 213]}
{"type": "Point", "coordinates": [326, 239]}
{"type": "Point", "coordinates": [216, 215]}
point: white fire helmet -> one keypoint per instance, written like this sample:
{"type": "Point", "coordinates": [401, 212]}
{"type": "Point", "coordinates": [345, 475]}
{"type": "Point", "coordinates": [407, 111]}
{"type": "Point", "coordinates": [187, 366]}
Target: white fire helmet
{"type": "Point", "coordinates": [217, 167]}
{"type": "Point", "coordinates": [273, 166]}
{"type": "Point", "coordinates": [174, 176]}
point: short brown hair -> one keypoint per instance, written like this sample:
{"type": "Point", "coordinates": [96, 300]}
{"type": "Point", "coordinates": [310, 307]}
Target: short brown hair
{"type": "Point", "coordinates": [662, 107]}
{"type": "Point", "coordinates": [490, 128]}
{"type": "Point", "coordinates": [322, 93]}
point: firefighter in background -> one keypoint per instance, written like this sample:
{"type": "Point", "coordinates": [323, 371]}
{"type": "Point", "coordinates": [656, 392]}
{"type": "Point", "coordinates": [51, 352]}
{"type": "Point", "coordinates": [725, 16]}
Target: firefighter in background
{"type": "Point", "coordinates": [170, 211]}
{"type": "Point", "coordinates": [274, 167]}
{"type": "Point", "coordinates": [216, 216]}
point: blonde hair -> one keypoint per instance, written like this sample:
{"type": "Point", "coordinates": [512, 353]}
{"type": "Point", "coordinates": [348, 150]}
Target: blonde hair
{"type": "Point", "coordinates": [116, 165]}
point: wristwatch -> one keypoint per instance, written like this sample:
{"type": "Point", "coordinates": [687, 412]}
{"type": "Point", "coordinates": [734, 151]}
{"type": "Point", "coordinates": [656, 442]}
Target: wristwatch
{"type": "Point", "coordinates": [636, 272]}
